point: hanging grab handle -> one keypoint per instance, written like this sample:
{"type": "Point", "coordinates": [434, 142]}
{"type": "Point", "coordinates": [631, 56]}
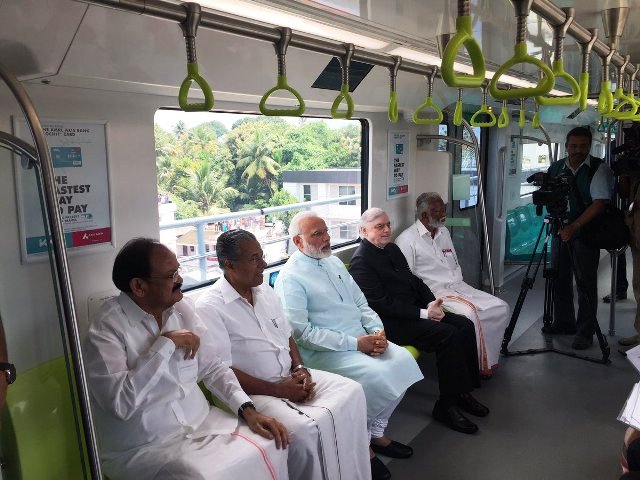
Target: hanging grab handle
{"type": "Point", "coordinates": [189, 28]}
{"type": "Point", "coordinates": [484, 110]}
{"type": "Point", "coordinates": [521, 55]}
{"type": "Point", "coordinates": [503, 119]}
{"type": "Point", "coordinates": [463, 37]}
{"type": "Point", "coordinates": [281, 84]}
{"type": "Point", "coordinates": [535, 123]}
{"type": "Point", "coordinates": [560, 31]}
{"type": "Point", "coordinates": [457, 113]}
{"type": "Point", "coordinates": [428, 104]}
{"type": "Point", "coordinates": [605, 99]}
{"type": "Point", "coordinates": [624, 100]}
{"type": "Point", "coordinates": [584, 75]}
{"type": "Point", "coordinates": [393, 94]}
{"type": "Point", "coordinates": [345, 62]}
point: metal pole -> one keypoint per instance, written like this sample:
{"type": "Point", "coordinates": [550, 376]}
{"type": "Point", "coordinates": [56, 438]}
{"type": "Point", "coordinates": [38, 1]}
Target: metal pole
{"type": "Point", "coordinates": [177, 13]}
{"type": "Point", "coordinates": [62, 279]}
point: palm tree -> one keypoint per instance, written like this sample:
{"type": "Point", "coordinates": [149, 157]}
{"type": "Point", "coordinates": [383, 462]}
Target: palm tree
{"type": "Point", "coordinates": [257, 163]}
{"type": "Point", "coordinates": [208, 189]}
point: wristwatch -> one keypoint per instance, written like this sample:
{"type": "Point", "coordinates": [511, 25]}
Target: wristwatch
{"type": "Point", "coordinates": [9, 370]}
{"type": "Point", "coordinates": [244, 406]}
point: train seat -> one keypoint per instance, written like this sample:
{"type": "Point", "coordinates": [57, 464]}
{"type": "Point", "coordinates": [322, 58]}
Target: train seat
{"type": "Point", "coordinates": [523, 226]}
{"type": "Point", "coordinates": [38, 428]}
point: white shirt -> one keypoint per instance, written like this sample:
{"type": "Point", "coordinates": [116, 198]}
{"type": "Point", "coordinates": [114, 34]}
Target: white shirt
{"type": "Point", "coordinates": [144, 391]}
{"type": "Point", "coordinates": [432, 259]}
{"type": "Point", "coordinates": [258, 335]}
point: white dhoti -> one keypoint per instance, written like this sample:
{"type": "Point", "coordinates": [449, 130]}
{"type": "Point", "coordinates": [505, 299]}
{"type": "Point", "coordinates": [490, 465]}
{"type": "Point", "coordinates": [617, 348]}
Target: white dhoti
{"type": "Point", "coordinates": [489, 314]}
{"type": "Point", "coordinates": [328, 435]}
{"type": "Point", "coordinates": [239, 455]}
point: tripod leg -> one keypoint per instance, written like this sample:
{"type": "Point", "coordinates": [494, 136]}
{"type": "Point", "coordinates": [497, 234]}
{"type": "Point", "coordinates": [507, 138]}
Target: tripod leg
{"type": "Point", "coordinates": [527, 284]}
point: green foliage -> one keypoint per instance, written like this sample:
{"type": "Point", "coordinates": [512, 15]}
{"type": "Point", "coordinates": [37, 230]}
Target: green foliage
{"type": "Point", "coordinates": [208, 168]}
{"type": "Point", "coordinates": [283, 197]}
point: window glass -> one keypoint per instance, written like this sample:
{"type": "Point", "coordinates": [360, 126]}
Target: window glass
{"type": "Point", "coordinates": [469, 166]}
{"type": "Point", "coordinates": [535, 158]}
{"type": "Point", "coordinates": [221, 171]}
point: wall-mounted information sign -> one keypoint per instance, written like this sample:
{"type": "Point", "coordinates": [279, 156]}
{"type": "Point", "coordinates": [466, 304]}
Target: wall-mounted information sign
{"type": "Point", "coordinates": [398, 164]}
{"type": "Point", "coordinates": [79, 154]}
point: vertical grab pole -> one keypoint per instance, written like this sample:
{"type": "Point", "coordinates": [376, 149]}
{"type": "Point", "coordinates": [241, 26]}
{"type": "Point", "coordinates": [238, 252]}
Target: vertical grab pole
{"type": "Point", "coordinates": [483, 210]}
{"type": "Point", "coordinates": [60, 264]}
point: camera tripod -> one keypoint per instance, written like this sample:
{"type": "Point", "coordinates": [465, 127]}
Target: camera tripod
{"type": "Point", "coordinates": [551, 227]}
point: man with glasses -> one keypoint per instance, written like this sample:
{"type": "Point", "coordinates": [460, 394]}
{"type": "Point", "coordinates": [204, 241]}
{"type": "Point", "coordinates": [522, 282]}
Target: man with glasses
{"type": "Point", "coordinates": [413, 316]}
{"type": "Point", "coordinates": [337, 331]}
{"type": "Point", "coordinates": [145, 352]}
{"type": "Point", "coordinates": [431, 256]}
{"type": "Point", "coordinates": [324, 413]}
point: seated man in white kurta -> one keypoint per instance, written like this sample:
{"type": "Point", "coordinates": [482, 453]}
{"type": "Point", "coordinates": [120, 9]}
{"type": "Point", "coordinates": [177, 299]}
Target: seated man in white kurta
{"type": "Point", "coordinates": [145, 352]}
{"type": "Point", "coordinates": [337, 331]}
{"type": "Point", "coordinates": [324, 413]}
{"type": "Point", "coordinates": [429, 251]}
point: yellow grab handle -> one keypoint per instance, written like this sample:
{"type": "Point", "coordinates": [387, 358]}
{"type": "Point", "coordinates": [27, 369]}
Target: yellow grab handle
{"type": "Point", "coordinates": [503, 119]}
{"type": "Point", "coordinates": [605, 100]}
{"type": "Point", "coordinates": [584, 90]}
{"type": "Point", "coordinates": [625, 101]}
{"type": "Point", "coordinates": [559, 72]}
{"type": "Point", "coordinates": [522, 119]}
{"type": "Point", "coordinates": [183, 94]}
{"type": "Point", "coordinates": [535, 123]}
{"type": "Point", "coordinates": [282, 85]}
{"type": "Point", "coordinates": [484, 110]}
{"type": "Point", "coordinates": [521, 56]}
{"type": "Point", "coordinates": [457, 114]}
{"type": "Point", "coordinates": [428, 105]}
{"type": "Point", "coordinates": [343, 95]}
{"type": "Point", "coordinates": [393, 107]}
{"type": "Point", "coordinates": [463, 37]}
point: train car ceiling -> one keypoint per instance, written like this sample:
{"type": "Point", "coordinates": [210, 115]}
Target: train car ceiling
{"type": "Point", "coordinates": [39, 46]}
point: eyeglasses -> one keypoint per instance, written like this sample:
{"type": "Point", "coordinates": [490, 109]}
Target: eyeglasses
{"type": "Point", "coordinates": [319, 233]}
{"type": "Point", "coordinates": [172, 276]}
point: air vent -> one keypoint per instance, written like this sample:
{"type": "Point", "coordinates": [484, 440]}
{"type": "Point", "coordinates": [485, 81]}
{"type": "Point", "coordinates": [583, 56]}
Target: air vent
{"type": "Point", "coordinates": [331, 76]}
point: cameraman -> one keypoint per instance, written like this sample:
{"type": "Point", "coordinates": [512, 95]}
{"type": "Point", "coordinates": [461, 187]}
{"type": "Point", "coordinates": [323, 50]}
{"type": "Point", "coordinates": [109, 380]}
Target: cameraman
{"type": "Point", "coordinates": [590, 193]}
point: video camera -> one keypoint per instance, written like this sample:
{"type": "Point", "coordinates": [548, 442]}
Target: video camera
{"type": "Point", "coordinates": [628, 154]}
{"type": "Point", "coordinates": [553, 192]}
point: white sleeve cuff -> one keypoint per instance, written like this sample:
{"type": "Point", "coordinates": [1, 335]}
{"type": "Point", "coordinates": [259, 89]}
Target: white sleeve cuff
{"type": "Point", "coordinates": [424, 314]}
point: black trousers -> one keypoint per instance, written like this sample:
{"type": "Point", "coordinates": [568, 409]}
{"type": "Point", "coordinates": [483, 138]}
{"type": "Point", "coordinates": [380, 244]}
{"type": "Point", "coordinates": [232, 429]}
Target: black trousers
{"type": "Point", "coordinates": [454, 342]}
{"type": "Point", "coordinates": [584, 260]}
{"type": "Point", "coordinates": [633, 460]}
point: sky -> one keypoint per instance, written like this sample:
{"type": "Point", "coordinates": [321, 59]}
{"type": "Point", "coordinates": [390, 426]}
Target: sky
{"type": "Point", "coordinates": [167, 119]}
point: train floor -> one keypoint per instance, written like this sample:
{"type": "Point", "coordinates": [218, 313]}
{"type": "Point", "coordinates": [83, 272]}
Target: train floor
{"type": "Point", "coordinates": [552, 416]}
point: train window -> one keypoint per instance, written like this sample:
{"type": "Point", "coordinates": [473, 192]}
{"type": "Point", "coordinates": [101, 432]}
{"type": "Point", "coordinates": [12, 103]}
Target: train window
{"type": "Point", "coordinates": [536, 157]}
{"type": "Point", "coordinates": [219, 171]}
{"type": "Point", "coordinates": [468, 165]}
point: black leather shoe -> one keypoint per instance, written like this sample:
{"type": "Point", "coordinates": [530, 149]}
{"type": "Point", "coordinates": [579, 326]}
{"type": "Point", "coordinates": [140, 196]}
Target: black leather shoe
{"type": "Point", "coordinates": [379, 470]}
{"type": "Point", "coordinates": [555, 329]}
{"type": "Point", "coordinates": [453, 418]}
{"type": "Point", "coordinates": [581, 343]}
{"type": "Point", "coordinates": [393, 450]}
{"type": "Point", "coordinates": [470, 405]}
{"type": "Point", "coordinates": [619, 296]}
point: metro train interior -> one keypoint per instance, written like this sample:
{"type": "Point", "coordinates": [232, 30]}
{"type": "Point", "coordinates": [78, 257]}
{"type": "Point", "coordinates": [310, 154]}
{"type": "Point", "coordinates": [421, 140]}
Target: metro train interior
{"type": "Point", "coordinates": [129, 118]}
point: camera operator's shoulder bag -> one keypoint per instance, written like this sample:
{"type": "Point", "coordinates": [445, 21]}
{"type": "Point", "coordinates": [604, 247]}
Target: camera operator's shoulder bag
{"type": "Point", "coordinates": [608, 230]}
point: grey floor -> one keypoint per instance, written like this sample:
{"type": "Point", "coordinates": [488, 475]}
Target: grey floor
{"type": "Point", "coordinates": [552, 416]}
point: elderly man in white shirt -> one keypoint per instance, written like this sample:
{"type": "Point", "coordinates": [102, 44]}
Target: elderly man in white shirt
{"type": "Point", "coordinates": [145, 353]}
{"type": "Point", "coordinates": [429, 251]}
{"type": "Point", "coordinates": [324, 413]}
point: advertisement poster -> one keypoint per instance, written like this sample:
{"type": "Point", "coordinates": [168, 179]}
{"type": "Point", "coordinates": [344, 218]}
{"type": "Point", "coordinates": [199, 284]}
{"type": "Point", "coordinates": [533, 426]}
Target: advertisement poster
{"type": "Point", "coordinates": [79, 154]}
{"type": "Point", "coordinates": [398, 175]}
